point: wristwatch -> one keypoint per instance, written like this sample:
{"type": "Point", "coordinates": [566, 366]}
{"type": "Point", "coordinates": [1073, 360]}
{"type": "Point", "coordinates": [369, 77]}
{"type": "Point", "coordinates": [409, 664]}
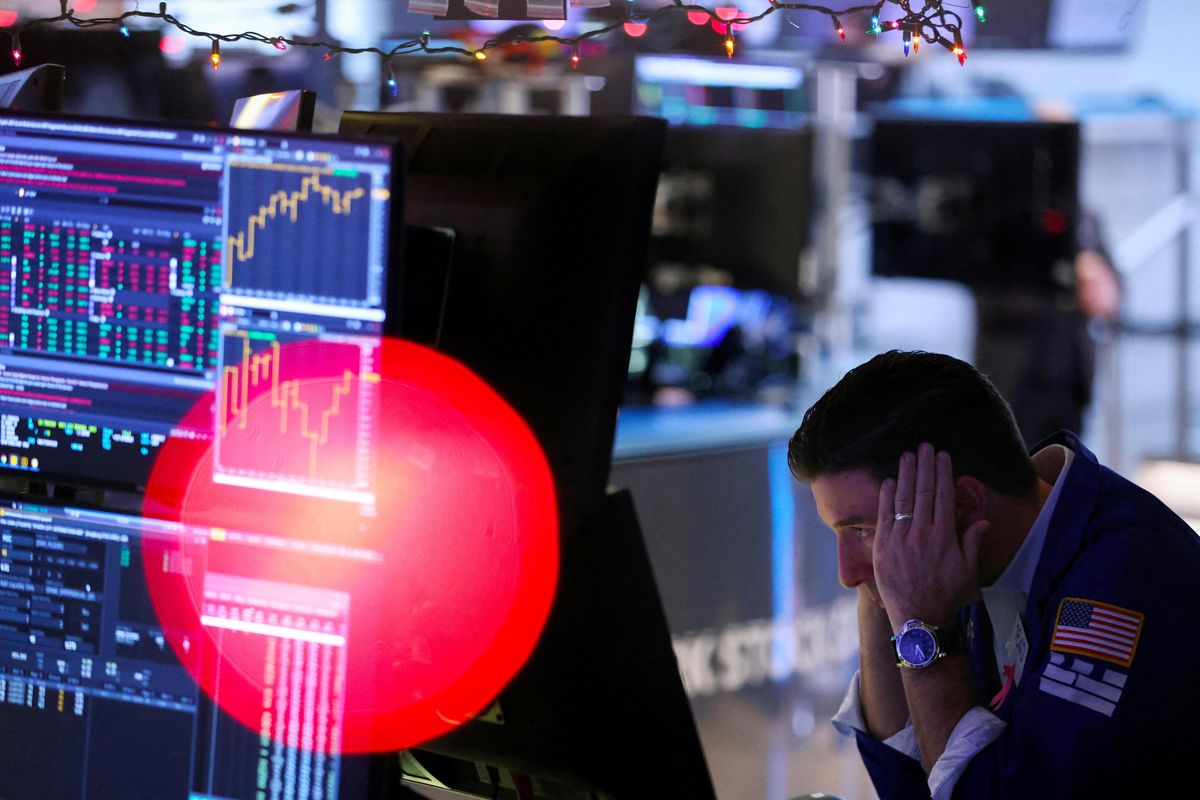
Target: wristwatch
{"type": "Point", "coordinates": [918, 645]}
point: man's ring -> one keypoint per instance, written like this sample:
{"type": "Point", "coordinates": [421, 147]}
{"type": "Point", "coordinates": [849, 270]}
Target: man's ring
{"type": "Point", "coordinates": [903, 515]}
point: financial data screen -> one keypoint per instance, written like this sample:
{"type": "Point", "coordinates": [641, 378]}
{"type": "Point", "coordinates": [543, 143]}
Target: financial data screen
{"type": "Point", "coordinates": [142, 266]}
{"type": "Point", "coordinates": [697, 91]}
{"type": "Point", "coordinates": [95, 701]}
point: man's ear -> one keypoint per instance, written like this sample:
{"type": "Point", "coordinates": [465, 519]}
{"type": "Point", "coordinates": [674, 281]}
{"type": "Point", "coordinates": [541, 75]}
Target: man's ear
{"type": "Point", "coordinates": [971, 501]}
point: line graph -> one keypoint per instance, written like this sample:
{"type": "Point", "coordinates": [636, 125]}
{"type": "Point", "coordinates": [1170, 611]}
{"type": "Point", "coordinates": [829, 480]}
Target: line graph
{"type": "Point", "coordinates": [299, 230]}
{"type": "Point", "coordinates": [294, 412]}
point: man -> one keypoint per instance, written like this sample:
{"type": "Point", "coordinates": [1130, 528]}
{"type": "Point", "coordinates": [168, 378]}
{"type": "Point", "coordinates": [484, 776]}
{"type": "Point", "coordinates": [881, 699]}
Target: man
{"type": "Point", "coordinates": [1026, 623]}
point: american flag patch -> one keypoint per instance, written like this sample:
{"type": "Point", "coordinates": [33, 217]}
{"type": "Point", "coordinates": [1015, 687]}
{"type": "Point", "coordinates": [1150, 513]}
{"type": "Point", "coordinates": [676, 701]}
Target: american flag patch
{"type": "Point", "coordinates": [1097, 630]}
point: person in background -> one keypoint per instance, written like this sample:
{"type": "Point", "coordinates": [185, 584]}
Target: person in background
{"type": "Point", "coordinates": [1037, 346]}
{"type": "Point", "coordinates": [1023, 618]}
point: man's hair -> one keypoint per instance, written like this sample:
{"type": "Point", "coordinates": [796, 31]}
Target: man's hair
{"type": "Point", "coordinates": [896, 401]}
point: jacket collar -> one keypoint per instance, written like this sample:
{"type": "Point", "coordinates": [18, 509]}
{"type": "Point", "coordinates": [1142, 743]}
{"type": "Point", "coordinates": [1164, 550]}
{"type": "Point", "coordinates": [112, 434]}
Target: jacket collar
{"type": "Point", "coordinates": [1065, 537]}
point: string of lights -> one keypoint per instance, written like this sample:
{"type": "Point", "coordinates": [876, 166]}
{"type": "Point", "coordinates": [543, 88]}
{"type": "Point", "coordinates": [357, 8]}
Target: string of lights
{"type": "Point", "coordinates": [929, 21]}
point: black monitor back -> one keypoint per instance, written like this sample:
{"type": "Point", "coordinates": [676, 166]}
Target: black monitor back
{"type": "Point", "coordinates": [979, 202]}
{"type": "Point", "coordinates": [600, 706]}
{"type": "Point", "coordinates": [38, 88]}
{"type": "Point", "coordinates": [551, 220]}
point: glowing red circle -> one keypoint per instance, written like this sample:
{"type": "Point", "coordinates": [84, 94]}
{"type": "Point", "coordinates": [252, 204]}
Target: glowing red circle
{"type": "Point", "coordinates": [446, 587]}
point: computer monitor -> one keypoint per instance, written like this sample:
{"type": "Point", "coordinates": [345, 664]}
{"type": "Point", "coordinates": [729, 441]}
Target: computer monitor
{"type": "Point", "coordinates": [38, 88]}
{"type": "Point", "coordinates": [97, 703]}
{"type": "Point", "coordinates": [737, 200]}
{"type": "Point", "coordinates": [1105, 26]}
{"type": "Point", "coordinates": [143, 261]}
{"type": "Point", "coordinates": [551, 217]}
{"type": "Point", "coordinates": [980, 203]}
{"type": "Point", "coordinates": [290, 110]}
{"type": "Point", "coordinates": [690, 90]}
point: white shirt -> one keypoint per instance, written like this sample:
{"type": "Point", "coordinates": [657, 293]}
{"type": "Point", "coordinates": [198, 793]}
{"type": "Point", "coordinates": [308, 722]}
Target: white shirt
{"type": "Point", "coordinates": [1004, 600]}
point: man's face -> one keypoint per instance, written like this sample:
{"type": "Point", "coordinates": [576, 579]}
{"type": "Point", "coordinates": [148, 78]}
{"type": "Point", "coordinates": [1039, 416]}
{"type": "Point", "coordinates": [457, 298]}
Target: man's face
{"type": "Point", "coordinates": [848, 502]}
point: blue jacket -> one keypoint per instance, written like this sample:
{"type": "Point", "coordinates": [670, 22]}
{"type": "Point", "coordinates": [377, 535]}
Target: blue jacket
{"type": "Point", "coordinates": [1078, 725]}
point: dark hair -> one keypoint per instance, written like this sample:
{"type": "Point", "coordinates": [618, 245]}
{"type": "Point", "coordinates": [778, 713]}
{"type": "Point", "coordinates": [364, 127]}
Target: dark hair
{"type": "Point", "coordinates": [898, 400]}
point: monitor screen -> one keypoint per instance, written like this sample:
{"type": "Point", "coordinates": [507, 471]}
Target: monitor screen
{"type": "Point", "coordinates": [275, 111]}
{"type": "Point", "coordinates": [736, 200]}
{"type": "Point", "coordinates": [1101, 25]}
{"type": "Point", "coordinates": [97, 704]}
{"type": "Point", "coordinates": [700, 91]}
{"type": "Point", "coordinates": [982, 203]}
{"type": "Point", "coordinates": [142, 264]}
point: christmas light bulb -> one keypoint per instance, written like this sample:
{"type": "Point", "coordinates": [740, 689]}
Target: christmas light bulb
{"type": "Point", "coordinates": [280, 44]}
{"type": "Point", "coordinates": [916, 44]}
{"type": "Point", "coordinates": [216, 53]}
{"type": "Point", "coordinates": [391, 80]}
{"type": "Point", "coordinates": [980, 11]}
{"type": "Point", "coordinates": [575, 56]}
{"type": "Point", "coordinates": [16, 51]}
{"type": "Point", "coordinates": [124, 30]}
{"type": "Point", "coordinates": [907, 42]}
{"type": "Point", "coordinates": [875, 27]}
{"type": "Point", "coordinates": [729, 41]}
{"type": "Point", "coordinates": [480, 55]}
{"type": "Point", "coordinates": [958, 48]}
{"type": "Point", "coordinates": [837, 26]}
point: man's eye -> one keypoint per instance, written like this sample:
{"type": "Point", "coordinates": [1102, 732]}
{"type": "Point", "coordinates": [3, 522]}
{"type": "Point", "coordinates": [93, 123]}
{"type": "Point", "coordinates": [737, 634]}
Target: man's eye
{"type": "Point", "coordinates": [862, 533]}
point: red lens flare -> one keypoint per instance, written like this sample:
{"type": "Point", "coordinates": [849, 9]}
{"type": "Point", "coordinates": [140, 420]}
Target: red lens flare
{"type": "Point", "coordinates": [368, 549]}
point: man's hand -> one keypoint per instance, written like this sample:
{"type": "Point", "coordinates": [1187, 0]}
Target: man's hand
{"type": "Point", "coordinates": [923, 569]}
{"type": "Point", "coordinates": [1096, 286]}
{"type": "Point", "coordinates": [881, 694]}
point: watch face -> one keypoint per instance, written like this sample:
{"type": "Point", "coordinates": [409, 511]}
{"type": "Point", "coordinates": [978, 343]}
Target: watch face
{"type": "Point", "coordinates": [916, 646]}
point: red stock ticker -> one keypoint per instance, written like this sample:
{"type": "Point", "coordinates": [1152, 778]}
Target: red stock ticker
{"type": "Point", "coordinates": [321, 619]}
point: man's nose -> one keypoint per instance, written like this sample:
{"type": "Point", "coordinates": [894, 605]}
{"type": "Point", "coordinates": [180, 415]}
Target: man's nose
{"type": "Point", "coordinates": [854, 561]}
